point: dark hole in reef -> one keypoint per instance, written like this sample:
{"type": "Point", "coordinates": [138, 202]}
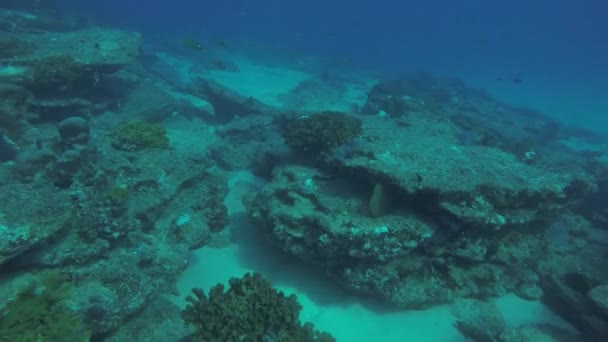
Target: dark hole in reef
{"type": "Point", "coordinates": [578, 282]}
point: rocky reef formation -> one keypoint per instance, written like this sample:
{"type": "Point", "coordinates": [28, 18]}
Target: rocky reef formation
{"type": "Point", "coordinates": [104, 202]}
{"type": "Point", "coordinates": [412, 212]}
{"type": "Point", "coordinates": [49, 73]}
{"type": "Point", "coordinates": [431, 193]}
{"type": "Point", "coordinates": [407, 214]}
{"type": "Point", "coordinates": [113, 221]}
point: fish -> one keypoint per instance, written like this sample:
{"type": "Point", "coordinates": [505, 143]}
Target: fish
{"type": "Point", "coordinates": [517, 79]}
{"type": "Point", "coordinates": [193, 44]}
{"type": "Point", "coordinates": [221, 43]}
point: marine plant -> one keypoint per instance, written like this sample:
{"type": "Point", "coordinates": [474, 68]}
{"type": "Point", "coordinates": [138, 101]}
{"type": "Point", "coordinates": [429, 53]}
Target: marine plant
{"type": "Point", "coordinates": [249, 311]}
{"type": "Point", "coordinates": [139, 135]}
{"type": "Point", "coordinates": [39, 313]}
{"type": "Point", "coordinates": [321, 131]}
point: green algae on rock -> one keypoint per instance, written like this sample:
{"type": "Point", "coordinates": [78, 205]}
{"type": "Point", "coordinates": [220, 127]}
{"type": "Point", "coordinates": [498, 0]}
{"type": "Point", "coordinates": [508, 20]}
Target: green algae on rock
{"type": "Point", "coordinates": [322, 131]}
{"type": "Point", "coordinates": [139, 135]}
{"type": "Point", "coordinates": [38, 313]}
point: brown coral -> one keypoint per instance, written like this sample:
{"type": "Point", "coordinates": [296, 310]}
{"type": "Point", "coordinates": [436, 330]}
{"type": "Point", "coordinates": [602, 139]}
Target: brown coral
{"type": "Point", "coordinates": [250, 310]}
{"type": "Point", "coordinates": [322, 131]}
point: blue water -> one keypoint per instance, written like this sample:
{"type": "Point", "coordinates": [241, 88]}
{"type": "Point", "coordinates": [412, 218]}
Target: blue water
{"type": "Point", "coordinates": [557, 47]}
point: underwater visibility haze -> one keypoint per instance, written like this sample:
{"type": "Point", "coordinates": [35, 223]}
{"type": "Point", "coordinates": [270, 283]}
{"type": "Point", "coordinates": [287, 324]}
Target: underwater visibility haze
{"type": "Point", "coordinates": [273, 171]}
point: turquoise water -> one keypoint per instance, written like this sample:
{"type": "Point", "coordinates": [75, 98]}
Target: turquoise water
{"type": "Point", "coordinates": [407, 170]}
{"type": "Point", "coordinates": [556, 47]}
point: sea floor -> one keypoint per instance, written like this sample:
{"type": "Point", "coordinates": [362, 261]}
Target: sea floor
{"type": "Point", "coordinates": [346, 316]}
{"type": "Point", "coordinates": [563, 97]}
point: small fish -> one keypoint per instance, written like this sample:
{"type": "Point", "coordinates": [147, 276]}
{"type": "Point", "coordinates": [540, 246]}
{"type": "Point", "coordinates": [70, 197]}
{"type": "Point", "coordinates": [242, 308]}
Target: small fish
{"type": "Point", "coordinates": [517, 79]}
{"type": "Point", "coordinates": [222, 44]}
{"type": "Point", "coordinates": [483, 41]}
{"type": "Point", "coordinates": [193, 44]}
{"type": "Point", "coordinates": [219, 65]}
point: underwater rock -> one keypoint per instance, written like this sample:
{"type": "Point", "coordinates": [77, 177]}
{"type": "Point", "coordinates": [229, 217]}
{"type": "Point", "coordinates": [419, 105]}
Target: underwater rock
{"type": "Point", "coordinates": [479, 320]}
{"type": "Point", "coordinates": [228, 104]}
{"type": "Point", "coordinates": [14, 102]}
{"type": "Point", "coordinates": [30, 215]}
{"type": "Point", "coordinates": [8, 148]}
{"type": "Point", "coordinates": [59, 64]}
{"type": "Point", "coordinates": [568, 296]}
{"type": "Point", "coordinates": [401, 256]}
{"type": "Point", "coordinates": [99, 49]}
{"type": "Point", "coordinates": [530, 292]}
{"type": "Point", "coordinates": [14, 97]}
{"type": "Point", "coordinates": [313, 94]}
{"type": "Point", "coordinates": [66, 166]}
{"type": "Point", "coordinates": [482, 187]}
{"type": "Point", "coordinates": [394, 105]}
{"type": "Point", "coordinates": [470, 109]}
{"type": "Point", "coordinates": [599, 296]}
{"type": "Point", "coordinates": [59, 109]}
{"type": "Point", "coordinates": [593, 206]}
{"type": "Point", "coordinates": [163, 314]}
{"type": "Point", "coordinates": [249, 142]}
{"type": "Point", "coordinates": [32, 161]}
{"type": "Point", "coordinates": [74, 130]}
{"type": "Point", "coordinates": [455, 221]}
{"type": "Point", "coordinates": [100, 212]}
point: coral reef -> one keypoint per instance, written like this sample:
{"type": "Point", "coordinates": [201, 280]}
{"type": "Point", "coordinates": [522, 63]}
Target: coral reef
{"type": "Point", "coordinates": [38, 313]}
{"type": "Point", "coordinates": [56, 71]}
{"type": "Point", "coordinates": [11, 47]}
{"type": "Point", "coordinates": [250, 310]}
{"type": "Point", "coordinates": [138, 135]}
{"type": "Point", "coordinates": [431, 193]}
{"type": "Point", "coordinates": [466, 226]}
{"type": "Point", "coordinates": [321, 131]}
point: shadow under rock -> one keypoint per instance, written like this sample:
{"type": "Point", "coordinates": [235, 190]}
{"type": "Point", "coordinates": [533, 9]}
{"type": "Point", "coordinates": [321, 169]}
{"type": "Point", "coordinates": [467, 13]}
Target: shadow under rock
{"type": "Point", "coordinates": [286, 271]}
{"type": "Point", "coordinates": [257, 253]}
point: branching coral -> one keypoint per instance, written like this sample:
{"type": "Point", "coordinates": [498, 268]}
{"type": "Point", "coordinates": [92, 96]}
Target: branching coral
{"type": "Point", "coordinates": [249, 311]}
